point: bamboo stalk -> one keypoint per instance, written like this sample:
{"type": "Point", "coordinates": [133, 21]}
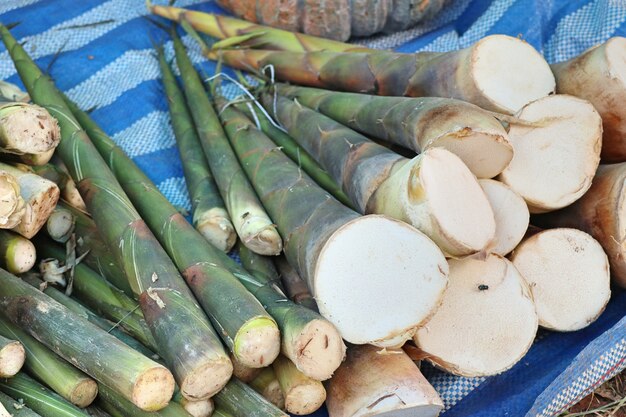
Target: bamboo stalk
{"type": "Point", "coordinates": [262, 267]}
{"type": "Point", "coordinates": [97, 412]}
{"type": "Point", "coordinates": [17, 254]}
{"type": "Point", "coordinates": [40, 197]}
{"type": "Point", "coordinates": [294, 285]}
{"type": "Point", "coordinates": [435, 191]}
{"type": "Point", "coordinates": [39, 398]}
{"type": "Point", "coordinates": [303, 395]}
{"type": "Point", "coordinates": [186, 340]}
{"type": "Point", "coordinates": [294, 151]}
{"type": "Point", "coordinates": [102, 297]}
{"type": "Point", "coordinates": [27, 129]}
{"type": "Point", "coordinates": [313, 223]}
{"type": "Point", "coordinates": [51, 369]}
{"type": "Point", "coordinates": [372, 382]}
{"type": "Point", "coordinates": [210, 217]}
{"type": "Point", "coordinates": [16, 408]}
{"type": "Point", "coordinates": [417, 123]}
{"type": "Point", "coordinates": [240, 400]}
{"type": "Point", "coordinates": [12, 205]}
{"type": "Point", "coordinates": [251, 334]}
{"type": "Point", "coordinates": [12, 357]}
{"type": "Point", "coordinates": [253, 225]}
{"type": "Point", "coordinates": [117, 402]}
{"type": "Point", "coordinates": [141, 380]}
{"type": "Point", "coordinates": [60, 225]}
{"type": "Point", "coordinates": [268, 386]}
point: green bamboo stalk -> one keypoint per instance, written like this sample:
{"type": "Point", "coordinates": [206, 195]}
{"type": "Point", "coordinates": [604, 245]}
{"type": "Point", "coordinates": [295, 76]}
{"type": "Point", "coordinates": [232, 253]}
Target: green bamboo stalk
{"type": "Point", "coordinates": [311, 220]}
{"type": "Point", "coordinates": [302, 395]}
{"type": "Point", "coordinates": [262, 267]}
{"type": "Point", "coordinates": [221, 413]}
{"type": "Point", "coordinates": [268, 386]}
{"type": "Point", "coordinates": [210, 217]}
{"type": "Point", "coordinates": [128, 409]}
{"type": "Point", "coordinates": [12, 357]}
{"type": "Point", "coordinates": [90, 349]}
{"type": "Point", "coordinates": [102, 297]}
{"type": "Point", "coordinates": [97, 412]}
{"type": "Point", "coordinates": [110, 409]}
{"type": "Point", "coordinates": [60, 225]}
{"type": "Point", "coordinates": [250, 333]}
{"type": "Point", "coordinates": [80, 310]}
{"type": "Point", "coordinates": [240, 400]}
{"type": "Point", "coordinates": [17, 254]}
{"type": "Point", "coordinates": [249, 34]}
{"type": "Point", "coordinates": [295, 287]}
{"type": "Point", "coordinates": [99, 258]}
{"type": "Point", "coordinates": [253, 225]}
{"type": "Point", "coordinates": [184, 335]}
{"type": "Point", "coordinates": [417, 123]}
{"type": "Point", "coordinates": [51, 369]}
{"type": "Point", "coordinates": [39, 398]}
{"type": "Point", "coordinates": [16, 408]}
{"type": "Point", "coordinates": [295, 152]}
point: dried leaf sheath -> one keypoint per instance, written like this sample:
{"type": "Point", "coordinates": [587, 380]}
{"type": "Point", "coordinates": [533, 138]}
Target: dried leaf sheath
{"type": "Point", "coordinates": [209, 214]}
{"type": "Point", "coordinates": [240, 318]}
{"type": "Point", "coordinates": [253, 225]}
{"type": "Point", "coordinates": [128, 236]}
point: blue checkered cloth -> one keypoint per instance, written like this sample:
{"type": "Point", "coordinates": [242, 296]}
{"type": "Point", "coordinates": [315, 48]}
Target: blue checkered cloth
{"type": "Point", "coordinates": [105, 61]}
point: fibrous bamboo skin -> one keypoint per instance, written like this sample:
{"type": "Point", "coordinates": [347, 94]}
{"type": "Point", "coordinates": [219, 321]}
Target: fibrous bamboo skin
{"type": "Point", "coordinates": [40, 197]}
{"type": "Point", "coordinates": [219, 292]}
{"type": "Point", "coordinates": [98, 257]}
{"type": "Point", "coordinates": [209, 214]}
{"type": "Point", "coordinates": [308, 218]}
{"type": "Point", "coordinates": [16, 408]}
{"type": "Point", "coordinates": [12, 356]}
{"type": "Point", "coordinates": [253, 225]}
{"type": "Point", "coordinates": [297, 154]}
{"type": "Point", "coordinates": [166, 304]}
{"type": "Point", "coordinates": [417, 123]}
{"type": "Point", "coordinates": [17, 254]}
{"type": "Point", "coordinates": [373, 175]}
{"type": "Point", "coordinates": [260, 266]}
{"type": "Point", "coordinates": [27, 129]}
{"type": "Point", "coordinates": [102, 297]}
{"type": "Point", "coordinates": [294, 285]}
{"type": "Point", "coordinates": [601, 212]}
{"type": "Point", "coordinates": [52, 370]}
{"type": "Point", "coordinates": [128, 409]}
{"type": "Point", "coordinates": [39, 398]}
{"type": "Point", "coordinates": [240, 400]}
{"type": "Point", "coordinates": [12, 205]}
{"type": "Point", "coordinates": [598, 75]}
{"type": "Point", "coordinates": [106, 359]}
{"type": "Point", "coordinates": [371, 382]}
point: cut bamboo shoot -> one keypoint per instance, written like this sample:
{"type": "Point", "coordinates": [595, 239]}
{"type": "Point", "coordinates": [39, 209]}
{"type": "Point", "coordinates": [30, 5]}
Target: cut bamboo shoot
{"type": "Point", "coordinates": [268, 386]}
{"type": "Point", "coordinates": [599, 75]}
{"type": "Point", "coordinates": [557, 151]}
{"type": "Point", "coordinates": [12, 205]}
{"type": "Point", "coordinates": [486, 322]}
{"type": "Point", "coordinates": [60, 225]}
{"type": "Point", "coordinates": [302, 395]}
{"type": "Point", "coordinates": [27, 129]}
{"type": "Point", "coordinates": [511, 215]}
{"type": "Point", "coordinates": [12, 357]}
{"type": "Point", "coordinates": [568, 275]}
{"type": "Point", "coordinates": [387, 383]}
{"type": "Point", "coordinates": [17, 254]}
{"type": "Point", "coordinates": [601, 212]}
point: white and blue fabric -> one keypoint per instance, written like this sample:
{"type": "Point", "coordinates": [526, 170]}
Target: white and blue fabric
{"type": "Point", "coordinates": [100, 53]}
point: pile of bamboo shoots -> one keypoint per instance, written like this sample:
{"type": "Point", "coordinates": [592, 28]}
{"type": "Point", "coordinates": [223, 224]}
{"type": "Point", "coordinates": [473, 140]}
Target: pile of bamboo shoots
{"type": "Point", "coordinates": [380, 200]}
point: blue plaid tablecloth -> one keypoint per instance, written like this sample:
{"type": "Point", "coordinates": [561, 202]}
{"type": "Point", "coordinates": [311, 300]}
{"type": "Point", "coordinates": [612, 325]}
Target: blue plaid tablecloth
{"type": "Point", "coordinates": [100, 53]}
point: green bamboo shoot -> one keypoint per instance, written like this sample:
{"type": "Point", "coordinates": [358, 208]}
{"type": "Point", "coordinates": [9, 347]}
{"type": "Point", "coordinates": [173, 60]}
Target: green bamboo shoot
{"type": "Point", "coordinates": [240, 400]}
{"type": "Point", "coordinates": [303, 395]}
{"type": "Point", "coordinates": [253, 225]}
{"type": "Point", "coordinates": [17, 254]}
{"type": "Point", "coordinates": [27, 129]}
{"type": "Point", "coordinates": [60, 225]}
{"type": "Point", "coordinates": [268, 386]}
{"type": "Point", "coordinates": [49, 368]}
{"type": "Point", "coordinates": [12, 356]}
{"type": "Point", "coordinates": [210, 217]}
{"type": "Point", "coordinates": [128, 409]}
{"type": "Point", "coordinates": [16, 408]}
{"type": "Point", "coordinates": [294, 285]}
